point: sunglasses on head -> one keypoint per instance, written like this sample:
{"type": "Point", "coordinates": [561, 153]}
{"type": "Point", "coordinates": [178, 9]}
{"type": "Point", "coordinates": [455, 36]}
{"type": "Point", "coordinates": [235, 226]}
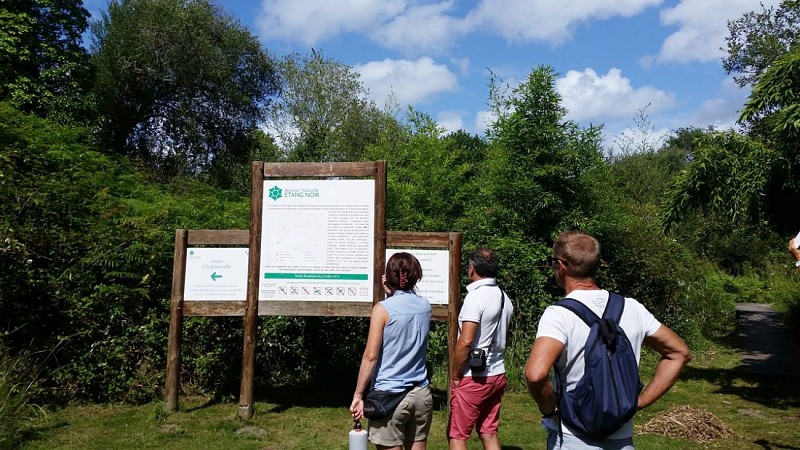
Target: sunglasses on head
{"type": "Point", "coordinates": [552, 259]}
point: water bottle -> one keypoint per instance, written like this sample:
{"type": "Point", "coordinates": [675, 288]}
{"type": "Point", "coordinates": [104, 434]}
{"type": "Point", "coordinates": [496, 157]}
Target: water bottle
{"type": "Point", "coordinates": [358, 437]}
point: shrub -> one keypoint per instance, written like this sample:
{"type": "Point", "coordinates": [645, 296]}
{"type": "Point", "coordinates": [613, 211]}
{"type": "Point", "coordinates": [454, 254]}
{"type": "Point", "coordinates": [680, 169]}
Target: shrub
{"type": "Point", "coordinates": [639, 261]}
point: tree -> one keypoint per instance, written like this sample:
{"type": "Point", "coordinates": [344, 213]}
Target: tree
{"type": "Point", "coordinates": [430, 178]}
{"type": "Point", "coordinates": [181, 85]}
{"type": "Point", "coordinates": [85, 265]}
{"type": "Point", "coordinates": [744, 182]}
{"type": "Point", "coordinates": [537, 158]}
{"type": "Point", "coordinates": [736, 188]}
{"type": "Point", "coordinates": [43, 67]}
{"type": "Point", "coordinates": [758, 38]}
{"type": "Point", "coordinates": [773, 109]}
{"type": "Point", "coordinates": [323, 113]}
{"type": "Point", "coordinates": [643, 139]}
{"type": "Point", "coordinates": [723, 204]}
{"type": "Point", "coordinates": [234, 171]}
{"type": "Point", "coordinates": [775, 100]}
{"type": "Point", "coordinates": [727, 176]}
{"type": "Point", "coordinates": [641, 173]}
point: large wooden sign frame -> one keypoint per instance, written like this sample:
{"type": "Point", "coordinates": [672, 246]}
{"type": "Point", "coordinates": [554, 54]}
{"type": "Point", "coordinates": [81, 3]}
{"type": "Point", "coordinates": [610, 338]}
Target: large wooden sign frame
{"type": "Point", "coordinates": [180, 308]}
{"type": "Point", "coordinates": [252, 307]}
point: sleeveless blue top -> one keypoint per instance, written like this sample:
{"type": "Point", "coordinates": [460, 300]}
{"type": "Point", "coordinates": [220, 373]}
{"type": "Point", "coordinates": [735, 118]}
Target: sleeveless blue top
{"type": "Point", "coordinates": [405, 340]}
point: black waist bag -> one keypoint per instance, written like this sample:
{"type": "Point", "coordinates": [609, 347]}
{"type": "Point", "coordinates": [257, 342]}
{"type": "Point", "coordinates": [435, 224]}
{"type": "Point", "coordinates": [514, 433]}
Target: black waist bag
{"type": "Point", "coordinates": [380, 404]}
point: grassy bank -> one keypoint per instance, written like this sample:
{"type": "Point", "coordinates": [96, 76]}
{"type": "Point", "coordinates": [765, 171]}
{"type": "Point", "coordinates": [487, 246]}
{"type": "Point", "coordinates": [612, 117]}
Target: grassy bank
{"type": "Point", "coordinates": [761, 412]}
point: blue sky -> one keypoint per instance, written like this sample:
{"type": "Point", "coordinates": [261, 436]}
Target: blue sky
{"type": "Point", "coordinates": [614, 57]}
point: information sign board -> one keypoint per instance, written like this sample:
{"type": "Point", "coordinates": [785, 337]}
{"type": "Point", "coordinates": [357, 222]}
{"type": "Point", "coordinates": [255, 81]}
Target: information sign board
{"type": "Point", "coordinates": [216, 274]}
{"type": "Point", "coordinates": [317, 240]}
{"type": "Point", "coordinates": [435, 283]}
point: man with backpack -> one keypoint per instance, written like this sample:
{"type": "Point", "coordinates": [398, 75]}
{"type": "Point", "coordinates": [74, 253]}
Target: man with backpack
{"type": "Point", "coordinates": [593, 342]}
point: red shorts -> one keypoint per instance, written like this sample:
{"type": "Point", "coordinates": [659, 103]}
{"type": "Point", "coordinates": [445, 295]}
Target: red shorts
{"type": "Point", "coordinates": [475, 403]}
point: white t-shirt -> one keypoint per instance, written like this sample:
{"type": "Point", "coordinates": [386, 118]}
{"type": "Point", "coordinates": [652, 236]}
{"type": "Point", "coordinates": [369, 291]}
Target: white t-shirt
{"type": "Point", "coordinates": [566, 327]}
{"type": "Point", "coordinates": [482, 306]}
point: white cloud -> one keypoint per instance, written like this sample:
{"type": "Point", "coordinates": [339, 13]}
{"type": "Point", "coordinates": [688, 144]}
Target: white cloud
{"type": "Point", "coordinates": [463, 65]}
{"type": "Point", "coordinates": [450, 120]}
{"type": "Point", "coordinates": [589, 97]}
{"type": "Point", "coordinates": [410, 82]}
{"type": "Point", "coordinates": [702, 28]}
{"type": "Point", "coordinates": [404, 25]}
{"type": "Point", "coordinates": [420, 29]}
{"type": "Point", "coordinates": [723, 110]}
{"type": "Point", "coordinates": [311, 21]}
{"type": "Point", "coordinates": [483, 119]}
{"type": "Point", "coordinates": [416, 27]}
{"type": "Point", "coordinates": [647, 62]}
{"type": "Point", "coordinates": [548, 20]}
{"type": "Point", "coordinates": [719, 112]}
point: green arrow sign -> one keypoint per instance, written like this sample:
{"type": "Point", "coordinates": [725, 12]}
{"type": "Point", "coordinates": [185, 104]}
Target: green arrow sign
{"type": "Point", "coordinates": [214, 276]}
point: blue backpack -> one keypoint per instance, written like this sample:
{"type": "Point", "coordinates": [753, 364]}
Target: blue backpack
{"type": "Point", "coordinates": [607, 395]}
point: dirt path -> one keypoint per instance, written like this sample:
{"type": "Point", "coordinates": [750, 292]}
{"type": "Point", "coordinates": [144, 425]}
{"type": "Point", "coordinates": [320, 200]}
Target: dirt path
{"type": "Point", "coordinates": [768, 347]}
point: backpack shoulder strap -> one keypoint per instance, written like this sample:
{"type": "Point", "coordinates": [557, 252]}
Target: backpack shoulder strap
{"type": "Point", "coordinates": [614, 307]}
{"type": "Point", "coordinates": [502, 303]}
{"type": "Point", "coordinates": [589, 318]}
{"type": "Point", "coordinates": [580, 310]}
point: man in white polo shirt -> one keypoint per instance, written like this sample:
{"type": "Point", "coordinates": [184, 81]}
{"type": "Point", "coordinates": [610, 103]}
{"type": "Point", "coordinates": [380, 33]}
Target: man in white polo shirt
{"type": "Point", "coordinates": [483, 322]}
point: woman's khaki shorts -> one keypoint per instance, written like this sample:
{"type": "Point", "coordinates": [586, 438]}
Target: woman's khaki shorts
{"type": "Point", "coordinates": [411, 420]}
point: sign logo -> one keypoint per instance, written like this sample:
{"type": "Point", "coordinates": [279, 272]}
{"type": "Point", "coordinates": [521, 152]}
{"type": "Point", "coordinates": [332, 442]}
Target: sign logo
{"type": "Point", "coordinates": [275, 193]}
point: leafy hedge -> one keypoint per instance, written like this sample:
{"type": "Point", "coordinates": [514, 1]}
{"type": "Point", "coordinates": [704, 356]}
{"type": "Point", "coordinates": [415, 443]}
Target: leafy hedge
{"type": "Point", "coordinates": [86, 257]}
{"type": "Point", "coordinates": [86, 253]}
{"type": "Point", "coordinates": [86, 249]}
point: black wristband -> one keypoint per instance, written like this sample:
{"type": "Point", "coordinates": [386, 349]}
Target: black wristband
{"type": "Point", "coordinates": [551, 414]}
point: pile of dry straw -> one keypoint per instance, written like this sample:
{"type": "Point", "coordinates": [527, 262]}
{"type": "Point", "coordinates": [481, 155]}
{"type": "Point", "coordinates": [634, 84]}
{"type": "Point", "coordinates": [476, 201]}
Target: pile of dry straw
{"type": "Point", "coordinates": [688, 423]}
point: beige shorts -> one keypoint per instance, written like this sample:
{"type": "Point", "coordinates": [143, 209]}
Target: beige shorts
{"type": "Point", "coordinates": [411, 420]}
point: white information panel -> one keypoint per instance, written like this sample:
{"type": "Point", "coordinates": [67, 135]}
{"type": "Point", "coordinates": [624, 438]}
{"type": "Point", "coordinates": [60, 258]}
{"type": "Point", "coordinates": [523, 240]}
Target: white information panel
{"type": "Point", "coordinates": [216, 274]}
{"type": "Point", "coordinates": [317, 240]}
{"type": "Point", "coordinates": [435, 273]}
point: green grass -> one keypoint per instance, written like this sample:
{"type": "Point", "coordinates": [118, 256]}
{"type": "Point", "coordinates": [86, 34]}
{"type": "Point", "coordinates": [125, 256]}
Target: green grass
{"type": "Point", "coordinates": [763, 413]}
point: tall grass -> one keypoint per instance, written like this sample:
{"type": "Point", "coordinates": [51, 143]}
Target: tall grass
{"type": "Point", "coordinates": [17, 384]}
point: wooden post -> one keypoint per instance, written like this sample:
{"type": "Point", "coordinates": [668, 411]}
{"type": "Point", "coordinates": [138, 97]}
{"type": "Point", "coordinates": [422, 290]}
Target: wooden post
{"type": "Point", "coordinates": [246, 408]}
{"type": "Point", "coordinates": [454, 306]}
{"type": "Point", "coordinates": [380, 231]}
{"type": "Point", "coordinates": [175, 323]}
